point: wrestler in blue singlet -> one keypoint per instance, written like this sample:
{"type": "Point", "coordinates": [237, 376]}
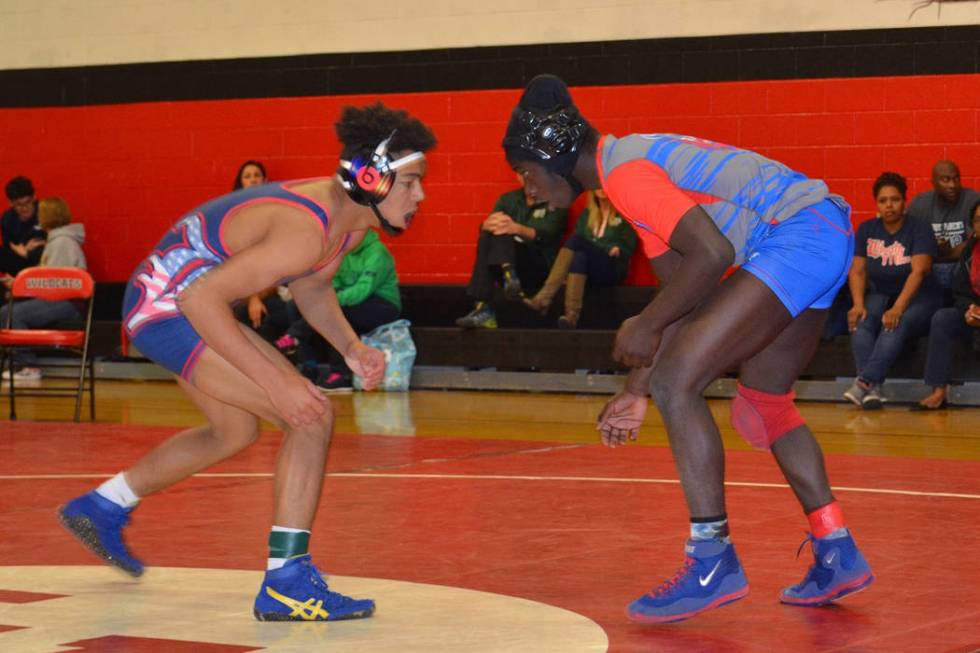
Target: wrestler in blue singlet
{"type": "Point", "coordinates": [786, 229]}
{"type": "Point", "coordinates": [151, 317]}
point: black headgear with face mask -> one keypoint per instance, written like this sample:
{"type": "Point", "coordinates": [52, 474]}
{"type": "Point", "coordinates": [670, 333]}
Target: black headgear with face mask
{"type": "Point", "coordinates": [545, 127]}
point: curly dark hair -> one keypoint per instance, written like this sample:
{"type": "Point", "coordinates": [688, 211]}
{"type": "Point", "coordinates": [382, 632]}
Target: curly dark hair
{"type": "Point", "coordinates": [890, 179]}
{"type": "Point", "coordinates": [360, 129]}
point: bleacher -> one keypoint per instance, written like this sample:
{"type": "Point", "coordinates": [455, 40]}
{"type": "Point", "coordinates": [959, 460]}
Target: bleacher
{"type": "Point", "coordinates": [527, 352]}
{"type": "Point", "coordinates": [527, 341]}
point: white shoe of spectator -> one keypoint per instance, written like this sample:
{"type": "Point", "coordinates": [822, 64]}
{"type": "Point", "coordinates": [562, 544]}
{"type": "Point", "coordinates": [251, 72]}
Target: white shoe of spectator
{"type": "Point", "coordinates": [28, 374]}
{"type": "Point", "coordinates": [855, 394]}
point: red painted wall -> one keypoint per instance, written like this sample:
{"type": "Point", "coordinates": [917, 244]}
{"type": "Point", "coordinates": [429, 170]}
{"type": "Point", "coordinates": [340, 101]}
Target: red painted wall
{"type": "Point", "coordinates": [129, 171]}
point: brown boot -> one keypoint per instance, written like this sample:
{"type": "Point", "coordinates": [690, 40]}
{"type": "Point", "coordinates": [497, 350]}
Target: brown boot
{"type": "Point", "coordinates": [574, 292]}
{"type": "Point", "coordinates": [559, 270]}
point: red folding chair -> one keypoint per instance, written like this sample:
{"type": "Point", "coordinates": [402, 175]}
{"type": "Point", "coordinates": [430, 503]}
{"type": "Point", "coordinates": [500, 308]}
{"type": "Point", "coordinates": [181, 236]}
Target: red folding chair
{"type": "Point", "coordinates": [52, 284]}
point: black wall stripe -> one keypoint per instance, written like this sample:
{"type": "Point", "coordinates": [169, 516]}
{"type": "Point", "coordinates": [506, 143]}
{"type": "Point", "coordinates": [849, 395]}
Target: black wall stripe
{"type": "Point", "coordinates": [798, 55]}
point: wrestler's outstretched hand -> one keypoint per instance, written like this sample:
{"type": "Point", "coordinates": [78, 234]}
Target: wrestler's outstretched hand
{"type": "Point", "coordinates": [621, 418]}
{"type": "Point", "coordinates": [367, 362]}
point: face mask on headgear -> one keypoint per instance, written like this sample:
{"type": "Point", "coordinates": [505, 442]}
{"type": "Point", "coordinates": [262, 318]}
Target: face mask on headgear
{"type": "Point", "coordinates": [549, 137]}
{"type": "Point", "coordinates": [368, 179]}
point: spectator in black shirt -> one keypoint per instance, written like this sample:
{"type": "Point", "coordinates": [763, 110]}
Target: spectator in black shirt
{"type": "Point", "coordinates": [23, 239]}
{"type": "Point", "coordinates": [958, 322]}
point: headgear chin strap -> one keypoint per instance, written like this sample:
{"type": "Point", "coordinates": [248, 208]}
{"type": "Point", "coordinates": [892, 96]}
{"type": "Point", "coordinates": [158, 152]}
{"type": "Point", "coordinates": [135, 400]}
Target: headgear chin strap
{"type": "Point", "coordinates": [576, 185]}
{"type": "Point", "coordinates": [388, 228]}
{"type": "Point", "coordinates": [368, 180]}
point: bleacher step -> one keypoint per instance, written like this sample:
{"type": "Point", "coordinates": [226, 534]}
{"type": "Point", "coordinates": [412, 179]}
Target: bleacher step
{"type": "Point", "coordinates": [427, 377]}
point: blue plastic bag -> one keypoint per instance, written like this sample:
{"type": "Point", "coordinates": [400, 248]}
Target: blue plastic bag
{"type": "Point", "coordinates": [395, 341]}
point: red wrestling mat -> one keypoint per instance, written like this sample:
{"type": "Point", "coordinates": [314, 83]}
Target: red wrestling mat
{"type": "Point", "coordinates": [574, 526]}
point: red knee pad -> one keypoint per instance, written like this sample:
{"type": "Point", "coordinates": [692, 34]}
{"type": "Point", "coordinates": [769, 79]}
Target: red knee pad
{"type": "Point", "coordinates": [762, 418]}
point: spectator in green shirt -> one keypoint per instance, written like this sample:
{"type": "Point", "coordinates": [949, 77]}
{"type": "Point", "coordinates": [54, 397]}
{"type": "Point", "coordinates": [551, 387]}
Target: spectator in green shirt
{"type": "Point", "coordinates": [367, 289]}
{"type": "Point", "coordinates": [598, 253]}
{"type": "Point", "coordinates": [518, 243]}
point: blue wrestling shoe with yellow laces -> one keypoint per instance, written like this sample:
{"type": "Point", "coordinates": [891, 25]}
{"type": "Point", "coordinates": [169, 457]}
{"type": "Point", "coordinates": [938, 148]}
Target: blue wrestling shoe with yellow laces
{"type": "Point", "coordinates": [838, 569]}
{"type": "Point", "coordinates": [298, 592]}
{"type": "Point", "coordinates": [710, 578]}
{"type": "Point", "coordinates": [98, 524]}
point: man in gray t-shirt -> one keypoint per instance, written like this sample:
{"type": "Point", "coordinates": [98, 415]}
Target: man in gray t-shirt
{"type": "Point", "coordinates": [947, 208]}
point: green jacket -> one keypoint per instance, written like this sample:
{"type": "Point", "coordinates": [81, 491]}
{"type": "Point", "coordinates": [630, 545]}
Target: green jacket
{"type": "Point", "coordinates": [549, 226]}
{"type": "Point", "coordinates": [366, 270]}
{"type": "Point", "coordinates": [619, 233]}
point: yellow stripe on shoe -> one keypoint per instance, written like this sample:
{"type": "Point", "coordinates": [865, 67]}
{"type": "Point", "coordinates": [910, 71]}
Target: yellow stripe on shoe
{"type": "Point", "coordinates": [306, 610]}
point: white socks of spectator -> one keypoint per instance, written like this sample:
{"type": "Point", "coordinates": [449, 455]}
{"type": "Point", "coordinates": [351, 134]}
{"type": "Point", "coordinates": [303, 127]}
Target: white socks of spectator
{"type": "Point", "coordinates": [117, 490]}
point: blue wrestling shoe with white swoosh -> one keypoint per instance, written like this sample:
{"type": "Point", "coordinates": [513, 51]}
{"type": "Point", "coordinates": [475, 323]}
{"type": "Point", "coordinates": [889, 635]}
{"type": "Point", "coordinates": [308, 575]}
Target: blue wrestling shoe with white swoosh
{"type": "Point", "coordinates": [710, 578]}
{"type": "Point", "coordinates": [298, 592]}
{"type": "Point", "coordinates": [838, 569]}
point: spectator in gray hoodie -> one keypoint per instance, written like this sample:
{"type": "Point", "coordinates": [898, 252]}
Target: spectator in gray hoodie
{"type": "Point", "coordinates": [63, 249]}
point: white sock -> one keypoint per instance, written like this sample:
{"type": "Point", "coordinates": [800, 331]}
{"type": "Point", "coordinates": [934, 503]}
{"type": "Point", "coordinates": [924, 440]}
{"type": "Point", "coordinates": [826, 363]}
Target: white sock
{"type": "Point", "coordinates": [276, 563]}
{"type": "Point", "coordinates": [117, 490]}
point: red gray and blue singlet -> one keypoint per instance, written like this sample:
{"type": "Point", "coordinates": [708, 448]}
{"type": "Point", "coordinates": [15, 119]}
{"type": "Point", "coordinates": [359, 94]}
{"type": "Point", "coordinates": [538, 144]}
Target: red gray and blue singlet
{"type": "Point", "coordinates": [192, 247]}
{"type": "Point", "coordinates": [787, 229]}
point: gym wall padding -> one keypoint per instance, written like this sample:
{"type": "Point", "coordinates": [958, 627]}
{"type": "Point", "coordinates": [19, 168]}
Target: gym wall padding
{"type": "Point", "coordinates": [133, 146]}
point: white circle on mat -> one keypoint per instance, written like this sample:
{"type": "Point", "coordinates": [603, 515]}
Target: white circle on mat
{"type": "Point", "coordinates": [192, 608]}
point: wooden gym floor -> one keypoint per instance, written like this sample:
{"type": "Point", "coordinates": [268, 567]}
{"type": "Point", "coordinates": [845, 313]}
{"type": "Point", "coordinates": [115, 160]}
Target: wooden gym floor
{"type": "Point", "coordinates": [484, 522]}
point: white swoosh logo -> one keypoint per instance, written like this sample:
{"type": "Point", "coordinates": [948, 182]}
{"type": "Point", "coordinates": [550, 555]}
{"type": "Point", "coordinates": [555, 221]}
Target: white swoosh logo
{"type": "Point", "coordinates": [704, 580]}
{"type": "Point", "coordinates": [830, 558]}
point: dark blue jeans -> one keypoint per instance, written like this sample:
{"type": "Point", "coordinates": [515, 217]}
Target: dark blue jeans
{"type": "Point", "coordinates": [948, 326]}
{"type": "Point", "coordinates": [37, 314]}
{"type": "Point", "coordinates": [876, 349]}
{"type": "Point", "coordinates": [594, 262]}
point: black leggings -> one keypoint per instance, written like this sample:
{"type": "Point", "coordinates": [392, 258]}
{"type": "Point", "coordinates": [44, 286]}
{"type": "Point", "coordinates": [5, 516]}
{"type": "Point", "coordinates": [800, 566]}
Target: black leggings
{"type": "Point", "coordinates": [494, 251]}
{"type": "Point", "coordinates": [363, 317]}
{"type": "Point", "coordinates": [594, 262]}
{"type": "Point", "coordinates": [948, 326]}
